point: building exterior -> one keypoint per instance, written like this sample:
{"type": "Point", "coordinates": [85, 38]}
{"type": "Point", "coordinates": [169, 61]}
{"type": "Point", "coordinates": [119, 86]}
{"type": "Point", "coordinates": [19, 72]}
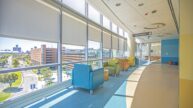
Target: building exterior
{"type": "Point", "coordinates": [46, 55]}
{"type": "Point", "coordinates": [17, 48]}
{"type": "Point", "coordinates": [72, 55]}
{"type": "Point", "coordinates": [43, 55]}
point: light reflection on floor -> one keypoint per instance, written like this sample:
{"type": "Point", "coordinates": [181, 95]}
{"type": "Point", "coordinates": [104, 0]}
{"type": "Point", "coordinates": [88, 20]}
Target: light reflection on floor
{"type": "Point", "coordinates": [123, 97]}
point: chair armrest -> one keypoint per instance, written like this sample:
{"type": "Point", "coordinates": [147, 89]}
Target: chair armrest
{"type": "Point", "coordinates": [96, 78]}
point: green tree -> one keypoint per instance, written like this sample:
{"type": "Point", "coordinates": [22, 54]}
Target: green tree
{"type": "Point", "coordinates": [15, 62]}
{"type": "Point", "coordinates": [46, 74]}
{"type": "Point", "coordinates": [3, 61]}
{"type": "Point", "coordinates": [8, 78]}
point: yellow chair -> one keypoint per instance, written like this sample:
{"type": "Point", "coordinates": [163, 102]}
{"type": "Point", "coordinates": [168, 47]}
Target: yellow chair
{"type": "Point", "coordinates": [131, 61]}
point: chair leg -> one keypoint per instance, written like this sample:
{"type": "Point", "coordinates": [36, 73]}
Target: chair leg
{"type": "Point", "coordinates": [91, 92]}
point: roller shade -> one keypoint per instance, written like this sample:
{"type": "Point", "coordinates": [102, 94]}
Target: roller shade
{"type": "Point", "coordinates": [94, 34]}
{"type": "Point", "coordinates": [29, 19]}
{"type": "Point", "coordinates": [106, 40]}
{"type": "Point", "coordinates": [121, 44]}
{"type": "Point", "coordinates": [73, 30]}
{"type": "Point", "coordinates": [125, 47]}
{"type": "Point", "coordinates": [115, 43]}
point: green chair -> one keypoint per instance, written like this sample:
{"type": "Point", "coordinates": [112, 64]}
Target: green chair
{"type": "Point", "coordinates": [113, 66]}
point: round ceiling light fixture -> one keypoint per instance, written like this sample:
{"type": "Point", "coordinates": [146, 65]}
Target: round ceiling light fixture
{"type": "Point", "coordinates": [159, 25]}
{"type": "Point", "coordinates": [155, 26]}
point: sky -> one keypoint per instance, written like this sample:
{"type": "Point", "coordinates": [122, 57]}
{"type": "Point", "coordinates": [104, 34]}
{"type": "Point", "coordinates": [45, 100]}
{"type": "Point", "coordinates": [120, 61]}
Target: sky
{"type": "Point", "coordinates": [26, 45]}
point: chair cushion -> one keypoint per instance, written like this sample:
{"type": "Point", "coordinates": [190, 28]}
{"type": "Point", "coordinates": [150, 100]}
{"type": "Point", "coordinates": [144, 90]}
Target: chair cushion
{"type": "Point", "coordinates": [112, 62]}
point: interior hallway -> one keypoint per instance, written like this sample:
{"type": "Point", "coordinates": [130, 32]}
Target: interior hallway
{"type": "Point", "coordinates": [157, 87]}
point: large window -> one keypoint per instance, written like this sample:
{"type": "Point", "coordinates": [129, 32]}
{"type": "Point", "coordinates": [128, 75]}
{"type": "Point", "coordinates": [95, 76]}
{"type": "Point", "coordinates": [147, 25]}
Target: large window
{"type": "Point", "coordinates": [106, 22]}
{"type": "Point", "coordinates": [126, 35]}
{"type": "Point", "coordinates": [19, 53]}
{"type": "Point", "coordinates": [32, 44]}
{"type": "Point", "coordinates": [70, 55]}
{"type": "Point", "coordinates": [106, 53]}
{"type": "Point", "coordinates": [120, 31]}
{"type": "Point", "coordinates": [94, 50]}
{"type": "Point", "coordinates": [115, 53]}
{"type": "Point", "coordinates": [93, 14]}
{"type": "Point", "coordinates": [78, 5]}
{"type": "Point", "coordinates": [114, 28]}
{"type": "Point", "coordinates": [94, 53]}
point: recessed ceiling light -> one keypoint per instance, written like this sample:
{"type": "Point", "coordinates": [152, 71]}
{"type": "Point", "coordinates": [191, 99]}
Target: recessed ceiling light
{"type": "Point", "coordinates": [140, 4]}
{"type": "Point", "coordinates": [154, 11]}
{"type": "Point", "coordinates": [118, 4]}
{"type": "Point", "coordinates": [146, 13]}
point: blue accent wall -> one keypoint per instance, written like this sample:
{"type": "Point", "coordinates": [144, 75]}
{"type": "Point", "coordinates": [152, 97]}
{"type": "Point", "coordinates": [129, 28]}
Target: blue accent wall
{"type": "Point", "coordinates": [170, 50]}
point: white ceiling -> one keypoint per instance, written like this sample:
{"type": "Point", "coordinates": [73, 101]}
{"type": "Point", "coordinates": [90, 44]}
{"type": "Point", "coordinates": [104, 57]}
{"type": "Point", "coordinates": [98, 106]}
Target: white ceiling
{"type": "Point", "coordinates": [134, 18]}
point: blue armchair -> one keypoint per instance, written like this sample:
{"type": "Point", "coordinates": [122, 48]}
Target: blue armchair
{"type": "Point", "coordinates": [84, 77]}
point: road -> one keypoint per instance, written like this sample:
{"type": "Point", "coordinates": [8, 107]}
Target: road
{"type": "Point", "coordinates": [28, 79]}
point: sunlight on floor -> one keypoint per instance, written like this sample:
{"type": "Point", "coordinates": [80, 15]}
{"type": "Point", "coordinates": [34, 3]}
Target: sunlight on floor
{"type": "Point", "coordinates": [123, 97]}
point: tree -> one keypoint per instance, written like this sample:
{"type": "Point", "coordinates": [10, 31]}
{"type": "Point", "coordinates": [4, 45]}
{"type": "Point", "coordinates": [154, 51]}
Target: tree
{"type": "Point", "coordinates": [8, 78]}
{"type": "Point", "coordinates": [15, 62]}
{"type": "Point", "coordinates": [3, 61]}
{"type": "Point", "coordinates": [46, 74]}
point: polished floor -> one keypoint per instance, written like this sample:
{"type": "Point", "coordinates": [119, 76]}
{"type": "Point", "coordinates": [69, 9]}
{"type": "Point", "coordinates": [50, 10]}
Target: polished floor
{"type": "Point", "coordinates": [157, 87]}
{"type": "Point", "coordinates": [80, 98]}
{"type": "Point", "coordinates": [148, 86]}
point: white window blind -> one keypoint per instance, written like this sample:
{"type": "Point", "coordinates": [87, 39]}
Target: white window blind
{"type": "Point", "coordinates": [73, 30]}
{"type": "Point", "coordinates": [94, 33]}
{"type": "Point", "coordinates": [121, 44]}
{"type": "Point", "coordinates": [115, 42]}
{"type": "Point", "coordinates": [29, 19]}
{"type": "Point", "coordinates": [106, 40]}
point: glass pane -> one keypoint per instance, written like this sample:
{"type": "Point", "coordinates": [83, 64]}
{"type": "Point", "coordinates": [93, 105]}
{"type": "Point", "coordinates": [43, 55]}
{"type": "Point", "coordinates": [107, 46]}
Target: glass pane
{"type": "Point", "coordinates": [94, 51]}
{"type": "Point", "coordinates": [106, 53]}
{"type": "Point", "coordinates": [16, 53]}
{"type": "Point", "coordinates": [126, 35]}
{"type": "Point", "coordinates": [93, 14]}
{"type": "Point", "coordinates": [24, 82]}
{"type": "Point", "coordinates": [106, 22]}
{"type": "Point", "coordinates": [95, 64]}
{"type": "Point", "coordinates": [114, 28]}
{"type": "Point", "coordinates": [115, 53]}
{"type": "Point", "coordinates": [73, 53]}
{"type": "Point", "coordinates": [120, 31]}
{"type": "Point", "coordinates": [78, 5]}
{"type": "Point", "coordinates": [120, 53]}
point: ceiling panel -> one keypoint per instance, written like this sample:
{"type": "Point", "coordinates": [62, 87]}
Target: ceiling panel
{"type": "Point", "coordinates": [137, 14]}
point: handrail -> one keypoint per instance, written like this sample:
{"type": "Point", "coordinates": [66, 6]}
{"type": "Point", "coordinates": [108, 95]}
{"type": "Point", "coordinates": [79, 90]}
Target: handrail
{"type": "Point", "coordinates": [42, 66]}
